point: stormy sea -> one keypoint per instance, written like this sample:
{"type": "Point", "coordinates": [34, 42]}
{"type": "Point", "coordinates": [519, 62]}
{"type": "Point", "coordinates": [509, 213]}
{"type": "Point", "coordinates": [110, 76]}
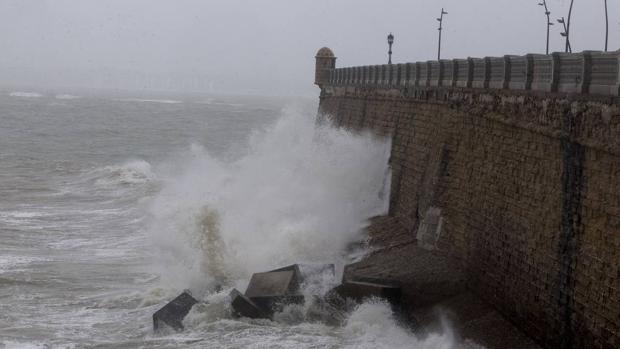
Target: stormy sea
{"type": "Point", "coordinates": [113, 204]}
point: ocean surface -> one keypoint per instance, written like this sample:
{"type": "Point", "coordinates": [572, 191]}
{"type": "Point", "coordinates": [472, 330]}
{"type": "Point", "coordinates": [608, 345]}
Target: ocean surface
{"type": "Point", "coordinates": [113, 204]}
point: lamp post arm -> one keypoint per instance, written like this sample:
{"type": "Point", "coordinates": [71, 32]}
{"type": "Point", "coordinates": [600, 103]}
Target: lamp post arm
{"type": "Point", "coordinates": [567, 31]}
{"type": "Point", "coordinates": [606, 26]}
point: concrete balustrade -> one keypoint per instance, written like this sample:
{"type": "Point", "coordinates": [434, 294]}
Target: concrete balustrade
{"type": "Point", "coordinates": [543, 73]}
{"type": "Point", "coordinates": [414, 74]}
{"type": "Point", "coordinates": [385, 77]}
{"type": "Point", "coordinates": [395, 75]}
{"type": "Point", "coordinates": [589, 72]}
{"type": "Point", "coordinates": [380, 71]}
{"type": "Point", "coordinates": [499, 68]}
{"type": "Point", "coordinates": [571, 72]}
{"type": "Point", "coordinates": [464, 72]}
{"type": "Point", "coordinates": [423, 78]}
{"type": "Point", "coordinates": [520, 72]}
{"type": "Point", "coordinates": [448, 73]}
{"type": "Point", "coordinates": [481, 72]}
{"type": "Point", "coordinates": [404, 74]}
{"type": "Point", "coordinates": [435, 72]}
{"type": "Point", "coordinates": [604, 73]}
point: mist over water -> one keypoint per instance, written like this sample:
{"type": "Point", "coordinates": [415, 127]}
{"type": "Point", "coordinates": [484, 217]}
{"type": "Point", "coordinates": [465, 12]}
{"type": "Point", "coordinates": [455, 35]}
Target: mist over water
{"type": "Point", "coordinates": [113, 206]}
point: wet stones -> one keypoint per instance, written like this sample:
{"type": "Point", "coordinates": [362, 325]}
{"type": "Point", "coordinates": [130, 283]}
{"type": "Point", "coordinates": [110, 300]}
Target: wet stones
{"type": "Point", "coordinates": [173, 313]}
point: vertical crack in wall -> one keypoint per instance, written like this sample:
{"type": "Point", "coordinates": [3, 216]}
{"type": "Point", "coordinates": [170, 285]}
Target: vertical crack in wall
{"type": "Point", "coordinates": [573, 155]}
{"type": "Point", "coordinates": [397, 169]}
{"type": "Point", "coordinates": [363, 117]}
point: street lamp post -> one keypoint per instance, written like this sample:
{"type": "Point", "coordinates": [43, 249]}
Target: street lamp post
{"type": "Point", "coordinates": [565, 34]}
{"type": "Point", "coordinates": [567, 31]}
{"type": "Point", "coordinates": [549, 24]}
{"type": "Point", "coordinates": [440, 19]}
{"type": "Point", "coordinates": [606, 26]}
{"type": "Point", "coordinates": [390, 39]}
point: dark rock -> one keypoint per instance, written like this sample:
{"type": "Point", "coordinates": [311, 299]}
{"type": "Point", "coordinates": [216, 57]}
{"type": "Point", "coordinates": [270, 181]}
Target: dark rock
{"type": "Point", "coordinates": [243, 306]}
{"type": "Point", "coordinates": [173, 313]}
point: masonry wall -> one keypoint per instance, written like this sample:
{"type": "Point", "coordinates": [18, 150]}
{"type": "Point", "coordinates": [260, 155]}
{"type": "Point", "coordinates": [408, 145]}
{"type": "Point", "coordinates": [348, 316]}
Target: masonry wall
{"type": "Point", "coordinates": [528, 186]}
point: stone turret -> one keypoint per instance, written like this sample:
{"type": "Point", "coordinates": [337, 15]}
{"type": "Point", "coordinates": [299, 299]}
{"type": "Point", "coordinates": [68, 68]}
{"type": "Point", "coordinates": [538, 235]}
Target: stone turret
{"type": "Point", "coordinates": [325, 63]}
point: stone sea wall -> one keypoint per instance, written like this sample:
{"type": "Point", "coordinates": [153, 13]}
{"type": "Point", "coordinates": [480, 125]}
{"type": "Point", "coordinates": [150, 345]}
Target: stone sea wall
{"type": "Point", "coordinates": [522, 185]}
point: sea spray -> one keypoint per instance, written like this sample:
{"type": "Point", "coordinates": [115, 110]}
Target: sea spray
{"type": "Point", "coordinates": [300, 193]}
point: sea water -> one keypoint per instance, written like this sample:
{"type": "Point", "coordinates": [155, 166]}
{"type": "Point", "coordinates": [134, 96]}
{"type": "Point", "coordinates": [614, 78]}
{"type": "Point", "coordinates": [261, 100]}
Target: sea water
{"type": "Point", "coordinates": [113, 204]}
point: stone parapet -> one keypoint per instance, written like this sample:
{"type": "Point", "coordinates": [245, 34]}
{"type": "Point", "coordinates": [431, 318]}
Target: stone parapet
{"type": "Point", "coordinates": [589, 72]}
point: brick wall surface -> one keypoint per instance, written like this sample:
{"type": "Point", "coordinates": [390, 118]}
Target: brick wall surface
{"type": "Point", "coordinates": [529, 190]}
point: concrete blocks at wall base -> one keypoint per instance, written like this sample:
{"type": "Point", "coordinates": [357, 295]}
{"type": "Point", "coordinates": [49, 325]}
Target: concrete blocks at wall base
{"type": "Point", "coordinates": [269, 292]}
{"type": "Point", "coordinates": [173, 313]}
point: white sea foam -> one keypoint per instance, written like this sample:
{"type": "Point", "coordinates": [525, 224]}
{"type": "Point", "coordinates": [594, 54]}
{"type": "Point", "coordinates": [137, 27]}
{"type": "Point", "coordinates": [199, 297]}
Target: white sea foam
{"type": "Point", "coordinates": [372, 325]}
{"type": "Point", "coordinates": [25, 94]}
{"type": "Point", "coordinates": [23, 214]}
{"type": "Point", "coordinates": [141, 100]}
{"type": "Point", "coordinates": [65, 96]}
{"type": "Point", "coordinates": [130, 172]}
{"type": "Point", "coordinates": [301, 194]}
{"type": "Point", "coordinates": [24, 345]}
{"type": "Point", "coordinates": [9, 262]}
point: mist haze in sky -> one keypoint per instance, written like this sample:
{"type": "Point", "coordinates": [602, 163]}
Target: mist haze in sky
{"type": "Point", "coordinates": [264, 47]}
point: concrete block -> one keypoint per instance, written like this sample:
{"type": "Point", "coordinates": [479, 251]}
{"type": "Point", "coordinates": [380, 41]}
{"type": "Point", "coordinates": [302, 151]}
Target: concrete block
{"type": "Point", "coordinates": [245, 307]}
{"type": "Point", "coordinates": [272, 290]}
{"type": "Point", "coordinates": [274, 304]}
{"type": "Point", "coordinates": [305, 271]}
{"type": "Point", "coordinates": [273, 284]}
{"type": "Point", "coordinates": [173, 313]}
{"type": "Point", "coordinates": [309, 270]}
{"type": "Point", "coordinates": [362, 290]}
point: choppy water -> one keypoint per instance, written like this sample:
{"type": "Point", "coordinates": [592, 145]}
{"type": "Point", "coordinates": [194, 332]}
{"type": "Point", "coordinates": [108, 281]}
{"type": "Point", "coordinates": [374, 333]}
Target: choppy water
{"type": "Point", "coordinates": [111, 206]}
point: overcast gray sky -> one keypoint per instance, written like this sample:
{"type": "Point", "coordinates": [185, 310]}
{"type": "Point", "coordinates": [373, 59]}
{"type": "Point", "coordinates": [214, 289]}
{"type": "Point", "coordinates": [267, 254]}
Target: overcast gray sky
{"type": "Point", "coordinates": [264, 46]}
